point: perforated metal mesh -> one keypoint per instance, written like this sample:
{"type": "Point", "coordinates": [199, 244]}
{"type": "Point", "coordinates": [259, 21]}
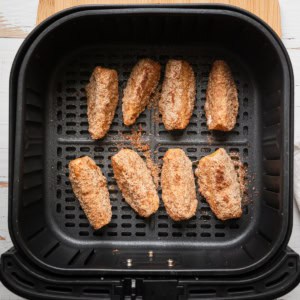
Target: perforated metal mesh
{"type": "Point", "coordinates": [70, 127]}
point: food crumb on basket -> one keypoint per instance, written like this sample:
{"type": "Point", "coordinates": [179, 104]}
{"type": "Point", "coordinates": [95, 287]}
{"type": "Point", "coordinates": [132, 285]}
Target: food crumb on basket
{"type": "Point", "coordinates": [138, 143]}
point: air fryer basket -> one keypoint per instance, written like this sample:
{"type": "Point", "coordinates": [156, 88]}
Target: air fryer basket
{"type": "Point", "coordinates": [50, 128]}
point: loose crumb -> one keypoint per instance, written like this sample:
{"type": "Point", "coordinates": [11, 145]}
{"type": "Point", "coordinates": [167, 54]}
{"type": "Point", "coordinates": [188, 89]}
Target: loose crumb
{"type": "Point", "coordinates": [136, 141]}
{"type": "Point", "coordinates": [153, 105]}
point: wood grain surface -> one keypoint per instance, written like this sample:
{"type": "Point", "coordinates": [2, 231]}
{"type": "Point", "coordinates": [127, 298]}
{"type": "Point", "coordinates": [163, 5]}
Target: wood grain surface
{"type": "Point", "coordinates": [268, 10]}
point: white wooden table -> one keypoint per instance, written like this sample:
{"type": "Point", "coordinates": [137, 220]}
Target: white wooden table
{"type": "Point", "coordinates": [17, 18]}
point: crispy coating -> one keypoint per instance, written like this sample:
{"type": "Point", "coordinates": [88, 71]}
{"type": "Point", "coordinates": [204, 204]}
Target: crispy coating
{"type": "Point", "coordinates": [178, 185]}
{"type": "Point", "coordinates": [135, 182]}
{"type": "Point", "coordinates": [222, 104]}
{"type": "Point", "coordinates": [178, 94]}
{"type": "Point", "coordinates": [141, 85]}
{"type": "Point", "coordinates": [218, 183]}
{"type": "Point", "coordinates": [90, 187]}
{"type": "Point", "coordinates": [102, 100]}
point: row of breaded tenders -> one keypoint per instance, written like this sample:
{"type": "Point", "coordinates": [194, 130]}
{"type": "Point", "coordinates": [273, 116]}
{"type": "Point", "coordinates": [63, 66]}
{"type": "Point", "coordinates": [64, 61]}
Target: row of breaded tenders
{"type": "Point", "coordinates": [177, 98]}
{"type": "Point", "coordinates": [217, 180]}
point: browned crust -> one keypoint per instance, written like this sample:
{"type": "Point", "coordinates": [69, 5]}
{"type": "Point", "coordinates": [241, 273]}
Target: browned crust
{"type": "Point", "coordinates": [178, 95]}
{"type": "Point", "coordinates": [90, 187]}
{"type": "Point", "coordinates": [102, 99]}
{"type": "Point", "coordinates": [218, 183]}
{"type": "Point", "coordinates": [221, 106]}
{"type": "Point", "coordinates": [135, 182]}
{"type": "Point", "coordinates": [141, 85]}
{"type": "Point", "coordinates": [178, 185]}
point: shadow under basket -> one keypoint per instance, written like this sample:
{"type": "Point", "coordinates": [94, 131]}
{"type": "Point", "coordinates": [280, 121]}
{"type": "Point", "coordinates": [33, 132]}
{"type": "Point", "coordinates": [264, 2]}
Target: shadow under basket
{"type": "Point", "coordinates": [132, 255]}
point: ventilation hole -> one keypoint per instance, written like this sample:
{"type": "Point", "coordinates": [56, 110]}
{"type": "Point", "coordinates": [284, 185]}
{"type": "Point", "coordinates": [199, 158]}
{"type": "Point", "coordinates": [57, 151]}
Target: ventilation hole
{"type": "Point", "coordinates": [59, 115]}
{"type": "Point", "coordinates": [140, 233]}
{"type": "Point", "coordinates": [291, 264]}
{"type": "Point", "coordinates": [70, 132]}
{"type": "Point", "coordinates": [112, 233]}
{"type": "Point", "coordinates": [126, 225]}
{"type": "Point", "coordinates": [74, 258]}
{"type": "Point", "coordinates": [126, 217]}
{"type": "Point", "coordinates": [163, 225]}
{"type": "Point", "coordinates": [177, 225]}
{"type": "Point", "coordinates": [220, 226]}
{"type": "Point", "coordinates": [205, 234]}
{"type": "Point", "coordinates": [191, 226]}
{"type": "Point", "coordinates": [84, 132]}
{"type": "Point", "coordinates": [245, 116]}
{"type": "Point", "coordinates": [70, 116]}
{"type": "Point", "coordinates": [83, 233]}
{"type": "Point", "coordinates": [70, 216]}
{"type": "Point", "coordinates": [140, 225]}
{"type": "Point", "coordinates": [83, 106]}
{"type": "Point", "coordinates": [82, 217]}
{"type": "Point", "coordinates": [71, 106]}
{"type": "Point", "coordinates": [245, 102]}
{"type": "Point", "coordinates": [176, 234]}
{"type": "Point", "coordinates": [59, 129]}
{"type": "Point", "coordinates": [70, 199]}
{"type": "Point", "coordinates": [161, 234]}
{"type": "Point", "coordinates": [70, 224]}
{"type": "Point", "coordinates": [59, 101]}
{"type": "Point", "coordinates": [58, 207]}
{"type": "Point", "coordinates": [205, 226]}
{"type": "Point", "coordinates": [58, 194]}
{"type": "Point", "coordinates": [245, 130]}
{"type": "Point", "coordinates": [70, 208]}
{"type": "Point", "coordinates": [219, 234]}
{"type": "Point", "coordinates": [70, 124]}
{"type": "Point", "coordinates": [205, 150]}
{"type": "Point", "coordinates": [70, 149]}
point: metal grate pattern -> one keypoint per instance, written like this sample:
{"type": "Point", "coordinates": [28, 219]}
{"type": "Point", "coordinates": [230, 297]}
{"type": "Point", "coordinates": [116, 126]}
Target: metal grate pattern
{"type": "Point", "coordinates": [72, 140]}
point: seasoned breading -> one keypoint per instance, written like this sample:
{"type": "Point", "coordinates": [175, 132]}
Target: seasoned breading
{"type": "Point", "coordinates": [141, 85]}
{"type": "Point", "coordinates": [102, 100]}
{"type": "Point", "coordinates": [90, 187]}
{"type": "Point", "coordinates": [178, 94]}
{"type": "Point", "coordinates": [218, 183]}
{"type": "Point", "coordinates": [135, 182]}
{"type": "Point", "coordinates": [222, 104]}
{"type": "Point", "coordinates": [178, 185]}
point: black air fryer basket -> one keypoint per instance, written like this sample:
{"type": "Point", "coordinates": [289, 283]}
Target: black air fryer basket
{"type": "Point", "coordinates": [56, 253]}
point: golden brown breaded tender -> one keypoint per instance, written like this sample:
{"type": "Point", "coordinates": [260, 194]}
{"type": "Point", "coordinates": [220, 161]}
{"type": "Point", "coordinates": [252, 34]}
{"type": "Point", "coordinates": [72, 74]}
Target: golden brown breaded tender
{"type": "Point", "coordinates": [178, 185]}
{"type": "Point", "coordinates": [102, 100]}
{"type": "Point", "coordinates": [135, 182]}
{"type": "Point", "coordinates": [218, 183]}
{"type": "Point", "coordinates": [178, 94]}
{"type": "Point", "coordinates": [141, 85]}
{"type": "Point", "coordinates": [90, 187]}
{"type": "Point", "coordinates": [222, 104]}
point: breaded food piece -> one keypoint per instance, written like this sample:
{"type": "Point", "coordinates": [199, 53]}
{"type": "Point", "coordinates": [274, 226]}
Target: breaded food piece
{"type": "Point", "coordinates": [135, 182]}
{"type": "Point", "coordinates": [178, 185]}
{"type": "Point", "coordinates": [218, 183]}
{"type": "Point", "coordinates": [141, 85]}
{"type": "Point", "coordinates": [222, 104]}
{"type": "Point", "coordinates": [102, 100]}
{"type": "Point", "coordinates": [90, 187]}
{"type": "Point", "coordinates": [178, 95]}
